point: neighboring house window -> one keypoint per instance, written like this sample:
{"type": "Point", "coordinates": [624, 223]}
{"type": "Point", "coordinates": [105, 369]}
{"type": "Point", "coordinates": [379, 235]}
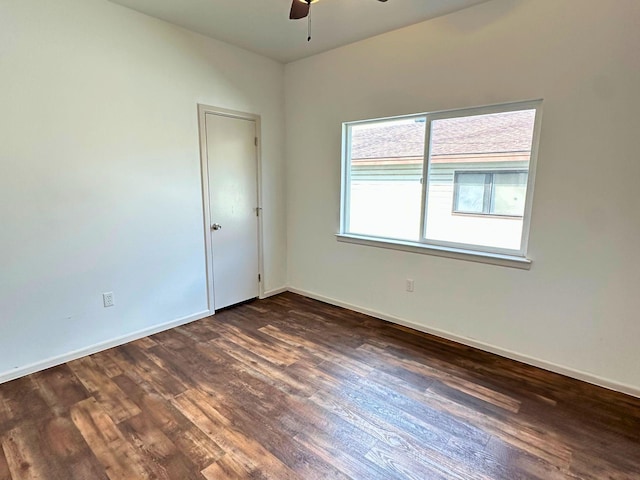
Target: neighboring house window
{"type": "Point", "coordinates": [490, 193]}
{"type": "Point", "coordinates": [460, 179]}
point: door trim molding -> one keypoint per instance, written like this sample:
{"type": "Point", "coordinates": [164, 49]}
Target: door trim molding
{"type": "Point", "coordinates": [203, 110]}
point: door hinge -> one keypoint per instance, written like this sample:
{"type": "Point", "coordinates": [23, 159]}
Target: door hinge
{"type": "Point", "coordinates": [259, 277]}
{"type": "Point", "coordinates": [258, 211]}
{"type": "Point", "coordinates": [255, 141]}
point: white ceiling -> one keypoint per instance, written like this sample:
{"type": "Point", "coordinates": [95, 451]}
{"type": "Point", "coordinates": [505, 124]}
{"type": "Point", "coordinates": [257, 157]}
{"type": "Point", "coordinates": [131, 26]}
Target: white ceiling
{"type": "Point", "coordinates": [263, 26]}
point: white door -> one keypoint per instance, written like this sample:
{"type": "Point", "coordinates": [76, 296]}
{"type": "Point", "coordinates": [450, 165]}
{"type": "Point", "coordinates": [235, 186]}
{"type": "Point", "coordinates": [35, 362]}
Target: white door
{"type": "Point", "coordinates": [233, 202]}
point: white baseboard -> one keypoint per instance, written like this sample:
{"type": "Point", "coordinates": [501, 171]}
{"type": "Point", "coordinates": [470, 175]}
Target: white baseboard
{"type": "Point", "coordinates": [275, 291]}
{"type": "Point", "coordinates": [536, 362]}
{"type": "Point", "coordinates": [83, 352]}
{"type": "Point", "coordinates": [570, 372]}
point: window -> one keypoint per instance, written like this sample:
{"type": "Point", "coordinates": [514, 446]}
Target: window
{"type": "Point", "coordinates": [490, 193]}
{"type": "Point", "coordinates": [460, 180]}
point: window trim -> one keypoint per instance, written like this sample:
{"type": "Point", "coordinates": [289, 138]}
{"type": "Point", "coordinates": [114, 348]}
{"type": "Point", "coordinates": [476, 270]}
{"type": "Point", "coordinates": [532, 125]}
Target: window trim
{"type": "Point", "coordinates": [500, 259]}
{"type": "Point", "coordinates": [510, 257]}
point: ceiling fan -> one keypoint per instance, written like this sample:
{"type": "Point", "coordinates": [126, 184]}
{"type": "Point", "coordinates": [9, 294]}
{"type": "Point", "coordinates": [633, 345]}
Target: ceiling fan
{"type": "Point", "coordinates": [302, 8]}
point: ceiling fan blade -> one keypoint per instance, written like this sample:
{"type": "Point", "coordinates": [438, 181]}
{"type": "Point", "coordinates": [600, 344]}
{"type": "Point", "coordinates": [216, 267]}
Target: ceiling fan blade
{"type": "Point", "coordinates": [298, 10]}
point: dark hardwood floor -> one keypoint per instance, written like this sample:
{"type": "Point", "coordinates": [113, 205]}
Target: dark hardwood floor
{"type": "Point", "coordinates": [289, 388]}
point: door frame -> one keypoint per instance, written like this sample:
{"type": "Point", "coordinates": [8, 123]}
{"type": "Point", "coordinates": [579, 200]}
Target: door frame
{"type": "Point", "coordinates": [203, 110]}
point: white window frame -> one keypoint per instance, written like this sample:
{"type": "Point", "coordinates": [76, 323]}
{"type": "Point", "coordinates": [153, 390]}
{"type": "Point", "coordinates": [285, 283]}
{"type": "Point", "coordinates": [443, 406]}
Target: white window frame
{"type": "Point", "coordinates": [493, 255]}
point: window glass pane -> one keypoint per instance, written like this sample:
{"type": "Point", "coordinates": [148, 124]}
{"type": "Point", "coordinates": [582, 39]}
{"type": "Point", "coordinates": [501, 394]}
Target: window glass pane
{"type": "Point", "coordinates": [508, 193]}
{"type": "Point", "coordinates": [385, 190]}
{"type": "Point", "coordinates": [488, 144]}
{"type": "Point", "coordinates": [470, 192]}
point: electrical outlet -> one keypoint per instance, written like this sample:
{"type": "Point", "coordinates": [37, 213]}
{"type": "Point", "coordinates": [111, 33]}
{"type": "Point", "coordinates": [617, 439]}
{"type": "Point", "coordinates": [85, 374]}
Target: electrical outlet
{"type": "Point", "coordinates": [409, 285]}
{"type": "Point", "coordinates": [107, 299]}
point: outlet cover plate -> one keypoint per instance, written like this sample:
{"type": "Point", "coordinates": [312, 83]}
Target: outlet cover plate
{"type": "Point", "coordinates": [107, 299]}
{"type": "Point", "coordinates": [409, 285]}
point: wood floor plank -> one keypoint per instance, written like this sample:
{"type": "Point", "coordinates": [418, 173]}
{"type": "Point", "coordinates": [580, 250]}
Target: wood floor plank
{"type": "Point", "coordinates": [192, 443]}
{"type": "Point", "coordinates": [197, 407]}
{"type": "Point", "coordinates": [147, 437]}
{"type": "Point", "coordinates": [520, 462]}
{"type": "Point", "coordinates": [350, 465]}
{"type": "Point", "coordinates": [350, 398]}
{"type": "Point", "coordinates": [538, 442]}
{"type": "Point", "coordinates": [292, 388]}
{"type": "Point", "coordinates": [428, 448]}
{"type": "Point", "coordinates": [23, 461]}
{"type": "Point", "coordinates": [293, 415]}
{"type": "Point", "coordinates": [29, 458]}
{"type": "Point", "coordinates": [4, 466]}
{"type": "Point", "coordinates": [107, 364]}
{"type": "Point", "coordinates": [107, 393]}
{"type": "Point", "coordinates": [275, 352]}
{"type": "Point", "coordinates": [13, 407]}
{"type": "Point", "coordinates": [49, 447]}
{"type": "Point", "coordinates": [67, 448]}
{"type": "Point", "coordinates": [231, 467]}
{"type": "Point", "coordinates": [146, 366]}
{"type": "Point", "coordinates": [483, 393]}
{"type": "Point", "coordinates": [120, 459]}
{"type": "Point", "coordinates": [409, 468]}
{"type": "Point", "coordinates": [195, 444]}
{"type": "Point", "coordinates": [318, 347]}
{"type": "Point", "coordinates": [278, 377]}
{"type": "Point", "coordinates": [60, 388]}
{"type": "Point", "coordinates": [144, 343]}
{"type": "Point", "coordinates": [200, 331]}
{"type": "Point", "coordinates": [469, 387]}
{"type": "Point", "coordinates": [414, 414]}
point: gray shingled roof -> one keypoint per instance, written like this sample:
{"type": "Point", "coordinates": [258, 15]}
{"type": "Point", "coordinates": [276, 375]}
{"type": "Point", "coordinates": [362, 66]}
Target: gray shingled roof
{"type": "Point", "coordinates": [494, 133]}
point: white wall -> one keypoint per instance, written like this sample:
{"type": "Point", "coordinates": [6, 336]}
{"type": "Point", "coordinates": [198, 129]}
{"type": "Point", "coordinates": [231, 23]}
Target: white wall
{"type": "Point", "coordinates": [578, 307]}
{"type": "Point", "coordinates": [100, 171]}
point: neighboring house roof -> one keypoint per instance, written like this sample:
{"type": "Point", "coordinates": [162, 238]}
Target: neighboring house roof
{"type": "Point", "coordinates": [494, 133]}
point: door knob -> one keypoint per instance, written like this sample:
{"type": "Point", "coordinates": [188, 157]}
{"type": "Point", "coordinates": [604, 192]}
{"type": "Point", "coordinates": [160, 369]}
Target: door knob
{"type": "Point", "coordinates": [216, 226]}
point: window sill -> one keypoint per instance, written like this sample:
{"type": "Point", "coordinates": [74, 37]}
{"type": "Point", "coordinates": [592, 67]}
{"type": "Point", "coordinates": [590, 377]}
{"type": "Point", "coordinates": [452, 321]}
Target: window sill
{"type": "Point", "coordinates": [457, 253]}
